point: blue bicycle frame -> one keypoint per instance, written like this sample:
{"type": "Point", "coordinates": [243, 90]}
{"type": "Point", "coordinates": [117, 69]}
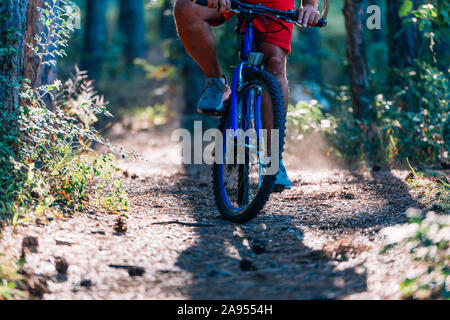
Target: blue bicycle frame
{"type": "Point", "coordinates": [232, 121]}
{"type": "Point", "coordinates": [251, 104]}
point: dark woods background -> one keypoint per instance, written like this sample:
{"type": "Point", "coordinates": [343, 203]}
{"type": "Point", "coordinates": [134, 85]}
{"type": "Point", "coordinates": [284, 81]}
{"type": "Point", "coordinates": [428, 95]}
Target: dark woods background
{"type": "Point", "coordinates": [379, 90]}
{"type": "Point", "coordinates": [373, 76]}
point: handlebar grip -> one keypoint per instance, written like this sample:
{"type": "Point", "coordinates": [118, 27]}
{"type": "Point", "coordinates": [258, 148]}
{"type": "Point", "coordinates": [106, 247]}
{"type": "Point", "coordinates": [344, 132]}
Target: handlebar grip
{"type": "Point", "coordinates": [323, 19]}
{"type": "Point", "coordinates": [322, 23]}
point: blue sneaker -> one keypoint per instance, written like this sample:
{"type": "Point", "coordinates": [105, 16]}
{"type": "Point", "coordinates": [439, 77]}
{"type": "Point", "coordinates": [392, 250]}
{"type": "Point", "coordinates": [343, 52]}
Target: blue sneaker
{"type": "Point", "coordinates": [215, 92]}
{"type": "Point", "coordinates": [282, 180]}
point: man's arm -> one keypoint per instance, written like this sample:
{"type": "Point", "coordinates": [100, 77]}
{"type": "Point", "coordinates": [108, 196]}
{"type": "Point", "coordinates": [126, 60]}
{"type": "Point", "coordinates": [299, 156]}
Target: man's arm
{"type": "Point", "coordinates": [308, 15]}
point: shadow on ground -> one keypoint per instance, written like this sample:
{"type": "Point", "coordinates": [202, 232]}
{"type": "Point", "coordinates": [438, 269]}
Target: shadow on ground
{"type": "Point", "coordinates": [287, 269]}
{"type": "Point", "coordinates": [223, 262]}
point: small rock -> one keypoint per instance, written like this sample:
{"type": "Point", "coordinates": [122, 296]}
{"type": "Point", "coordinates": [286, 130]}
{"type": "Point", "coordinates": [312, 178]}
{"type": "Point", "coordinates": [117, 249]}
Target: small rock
{"type": "Point", "coordinates": [259, 246]}
{"type": "Point", "coordinates": [99, 232]}
{"type": "Point", "coordinates": [61, 266]}
{"type": "Point", "coordinates": [86, 283]}
{"type": "Point", "coordinates": [38, 288]}
{"type": "Point", "coordinates": [136, 271]}
{"type": "Point", "coordinates": [347, 196]}
{"type": "Point", "coordinates": [247, 265]}
{"type": "Point", "coordinates": [132, 270]}
{"type": "Point", "coordinates": [30, 243]}
{"type": "Point", "coordinates": [63, 243]}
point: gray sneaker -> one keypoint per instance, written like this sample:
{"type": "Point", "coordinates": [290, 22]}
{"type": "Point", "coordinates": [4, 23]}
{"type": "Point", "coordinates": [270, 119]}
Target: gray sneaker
{"type": "Point", "coordinates": [215, 92]}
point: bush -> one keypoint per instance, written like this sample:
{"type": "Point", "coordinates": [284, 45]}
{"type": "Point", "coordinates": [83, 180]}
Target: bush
{"type": "Point", "coordinates": [47, 160]}
{"type": "Point", "coordinates": [427, 238]}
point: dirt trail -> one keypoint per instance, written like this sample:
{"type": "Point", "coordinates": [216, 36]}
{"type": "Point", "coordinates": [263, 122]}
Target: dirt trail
{"type": "Point", "coordinates": [320, 240]}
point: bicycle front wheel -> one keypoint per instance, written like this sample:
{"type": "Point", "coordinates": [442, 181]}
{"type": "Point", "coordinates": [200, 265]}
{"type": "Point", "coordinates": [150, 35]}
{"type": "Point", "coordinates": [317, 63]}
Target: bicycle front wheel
{"type": "Point", "coordinates": [242, 183]}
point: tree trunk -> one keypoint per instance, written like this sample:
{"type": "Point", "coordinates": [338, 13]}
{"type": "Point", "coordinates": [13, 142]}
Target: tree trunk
{"type": "Point", "coordinates": [442, 49]}
{"type": "Point", "coordinates": [402, 46]}
{"type": "Point", "coordinates": [13, 20]}
{"type": "Point", "coordinates": [132, 25]}
{"type": "Point", "coordinates": [34, 26]}
{"type": "Point", "coordinates": [357, 65]}
{"type": "Point", "coordinates": [37, 73]}
{"type": "Point", "coordinates": [94, 38]}
{"type": "Point", "coordinates": [13, 23]}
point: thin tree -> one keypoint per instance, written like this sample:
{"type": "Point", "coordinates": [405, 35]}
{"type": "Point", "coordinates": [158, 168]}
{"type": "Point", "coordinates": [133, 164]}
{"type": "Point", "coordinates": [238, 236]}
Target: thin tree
{"type": "Point", "coordinates": [36, 72]}
{"type": "Point", "coordinates": [94, 37]}
{"type": "Point", "coordinates": [357, 64]}
{"type": "Point", "coordinates": [132, 26]}
{"type": "Point", "coordinates": [401, 39]}
{"type": "Point", "coordinates": [13, 20]}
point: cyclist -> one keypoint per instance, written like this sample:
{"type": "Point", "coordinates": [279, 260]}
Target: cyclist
{"type": "Point", "coordinates": [194, 29]}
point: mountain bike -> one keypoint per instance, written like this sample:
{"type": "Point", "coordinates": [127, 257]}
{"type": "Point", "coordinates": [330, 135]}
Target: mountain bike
{"type": "Point", "coordinates": [244, 173]}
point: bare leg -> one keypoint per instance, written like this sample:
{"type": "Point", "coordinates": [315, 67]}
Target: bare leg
{"type": "Point", "coordinates": [274, 62]}
{"type": "Point", "coordinates": [196, 34]}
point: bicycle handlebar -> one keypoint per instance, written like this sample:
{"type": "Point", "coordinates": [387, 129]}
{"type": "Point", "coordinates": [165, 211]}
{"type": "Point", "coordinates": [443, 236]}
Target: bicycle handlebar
{"type": "Point", "coordinates": [288, 16]}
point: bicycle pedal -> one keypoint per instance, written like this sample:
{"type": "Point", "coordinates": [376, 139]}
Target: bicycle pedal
{"type": "Point", "coordinates": [210, 112]}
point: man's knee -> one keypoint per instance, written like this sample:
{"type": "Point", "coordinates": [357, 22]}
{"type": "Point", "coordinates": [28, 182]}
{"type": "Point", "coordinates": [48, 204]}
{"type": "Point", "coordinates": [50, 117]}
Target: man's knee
{"type": "Point", "coordinates": [276, 66]}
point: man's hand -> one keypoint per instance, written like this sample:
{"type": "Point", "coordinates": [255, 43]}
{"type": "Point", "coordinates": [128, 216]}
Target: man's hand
{"type": "Point", "coordinates": [223, 5]}
{"type": "Point", "coordinates": [308, 15]}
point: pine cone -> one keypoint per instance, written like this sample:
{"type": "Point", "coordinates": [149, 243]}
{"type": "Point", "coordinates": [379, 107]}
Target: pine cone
{"type": "Point", "coordinates": [121, 225]}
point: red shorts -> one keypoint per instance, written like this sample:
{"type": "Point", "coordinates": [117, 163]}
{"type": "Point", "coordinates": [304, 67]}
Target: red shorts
{"type": "Point", "coordinates": [279, 34]}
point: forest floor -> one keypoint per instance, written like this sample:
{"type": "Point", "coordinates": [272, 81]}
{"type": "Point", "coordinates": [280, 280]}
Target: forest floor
{"type": "Point", "coordinates": [320, 240]}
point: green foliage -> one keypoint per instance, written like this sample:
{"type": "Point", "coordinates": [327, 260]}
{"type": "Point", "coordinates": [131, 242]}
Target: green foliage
{"type": "Point", "coordinates": [410, 120]}
{"type": "Point", "coordinates": [47, 161]}
{"type": "Point", "coordinates": [9, 278]}
{"type": "Point", "coordinates": [164, 71]}
{"type": "Point", "coordinates": [405, 8]}
{"type": "Point", "coordinates": [392, 133]}
{"type": "Point", "coordinates": [51, 42]}
{"type": "Point", "coordinates": [55, 158]}
{"type": "Point", "coordinates": [426, 237]}
{"type": "Point", "coordinates": [306, 118]}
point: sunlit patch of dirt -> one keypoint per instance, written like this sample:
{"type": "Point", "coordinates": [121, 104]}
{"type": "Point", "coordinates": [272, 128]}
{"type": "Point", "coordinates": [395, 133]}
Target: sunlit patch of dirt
{"type": "Point", "coordinates": [346, 248]}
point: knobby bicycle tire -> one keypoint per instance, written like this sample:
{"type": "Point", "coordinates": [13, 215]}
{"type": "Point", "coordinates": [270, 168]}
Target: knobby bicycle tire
{"type": "Point", "coordinates": [253, 209]}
